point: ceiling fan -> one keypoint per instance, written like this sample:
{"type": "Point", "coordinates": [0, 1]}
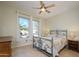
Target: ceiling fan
{"type": "Point", "coordinates": [44, 8]}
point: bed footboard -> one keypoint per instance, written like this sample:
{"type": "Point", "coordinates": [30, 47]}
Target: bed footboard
{"type": "Point", "coordinates": [42, 44]}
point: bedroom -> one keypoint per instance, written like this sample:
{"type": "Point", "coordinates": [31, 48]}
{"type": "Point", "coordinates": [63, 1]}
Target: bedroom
{"type": "Point", "coordinates": [64, 16]}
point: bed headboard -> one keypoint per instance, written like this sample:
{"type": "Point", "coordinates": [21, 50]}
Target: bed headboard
{"type": "Point", "coordinates": [58, 32]}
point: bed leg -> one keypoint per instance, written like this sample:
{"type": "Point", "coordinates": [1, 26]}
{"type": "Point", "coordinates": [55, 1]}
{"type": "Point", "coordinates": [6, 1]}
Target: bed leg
{"type": "Point", "coordinates": [33, 42]}
{"type": "Point", "coordinates": [52, 47]}
{"type": "Point", "coordinates": [33, 46]}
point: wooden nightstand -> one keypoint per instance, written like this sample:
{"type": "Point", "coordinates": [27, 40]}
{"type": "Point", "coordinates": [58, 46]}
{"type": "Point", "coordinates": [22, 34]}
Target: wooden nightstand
{"type": "Point", "coordinates": [74, 45]}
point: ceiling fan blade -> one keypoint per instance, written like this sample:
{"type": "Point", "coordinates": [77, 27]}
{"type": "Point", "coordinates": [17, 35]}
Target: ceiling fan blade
{"type": "Point", "coordinates": [42, 4]}
{"type": "Point", "coordinates": [47, 11]}
{"type": "Point", "coordinates": [36, 8]}
{"type": "Point", "coordinates": [50, 6]}
{"type": "Point", "coordinates": [40, 12]}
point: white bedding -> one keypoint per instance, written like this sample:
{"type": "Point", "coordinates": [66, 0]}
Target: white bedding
{"type": "Point", "coordinates": [58, 43]}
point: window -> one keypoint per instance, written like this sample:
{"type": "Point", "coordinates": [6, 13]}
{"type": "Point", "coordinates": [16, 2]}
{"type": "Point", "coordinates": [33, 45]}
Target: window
{"type": "Point", "coordinates": [35, 28]}
{"type": "Point", "coordinates": [24, 27]}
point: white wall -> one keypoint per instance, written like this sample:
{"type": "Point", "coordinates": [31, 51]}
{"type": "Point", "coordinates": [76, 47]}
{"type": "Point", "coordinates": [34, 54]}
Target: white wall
{"type": "Point", "coordinates": [44, 28]}
{"type": "Point", "coordinates": [68, 20]}
{"type": "Point", "coordinates": [0, 19]}
{"type": "Point", "coordinates": [8, 24]}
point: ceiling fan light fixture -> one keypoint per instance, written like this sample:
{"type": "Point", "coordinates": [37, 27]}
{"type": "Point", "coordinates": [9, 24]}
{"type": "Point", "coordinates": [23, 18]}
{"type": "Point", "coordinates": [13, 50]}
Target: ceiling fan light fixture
{"type": "Point", "coordinates": [43, 9]}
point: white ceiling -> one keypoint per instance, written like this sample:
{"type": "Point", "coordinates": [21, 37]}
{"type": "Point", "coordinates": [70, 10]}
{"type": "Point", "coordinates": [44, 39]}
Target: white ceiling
{"type": "Point", "coordinates": [60, 6]}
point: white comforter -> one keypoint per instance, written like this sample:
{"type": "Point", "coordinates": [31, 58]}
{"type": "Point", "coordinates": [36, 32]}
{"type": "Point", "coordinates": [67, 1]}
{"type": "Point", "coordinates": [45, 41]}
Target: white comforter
{"type": "Point", "coordinates": [58, 44]}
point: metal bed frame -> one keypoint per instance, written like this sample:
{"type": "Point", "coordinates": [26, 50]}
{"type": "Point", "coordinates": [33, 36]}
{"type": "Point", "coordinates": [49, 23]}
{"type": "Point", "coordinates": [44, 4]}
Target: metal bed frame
{"type": "Point", "coordinates": [40, 43]}
{"type": "Point", "coordinates": [44, 51]}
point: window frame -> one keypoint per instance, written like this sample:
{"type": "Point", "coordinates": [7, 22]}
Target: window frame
{"type": "Point", "coordinates": [23, 16]}
{"type": "Point", "coordinates": [38, 26]}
